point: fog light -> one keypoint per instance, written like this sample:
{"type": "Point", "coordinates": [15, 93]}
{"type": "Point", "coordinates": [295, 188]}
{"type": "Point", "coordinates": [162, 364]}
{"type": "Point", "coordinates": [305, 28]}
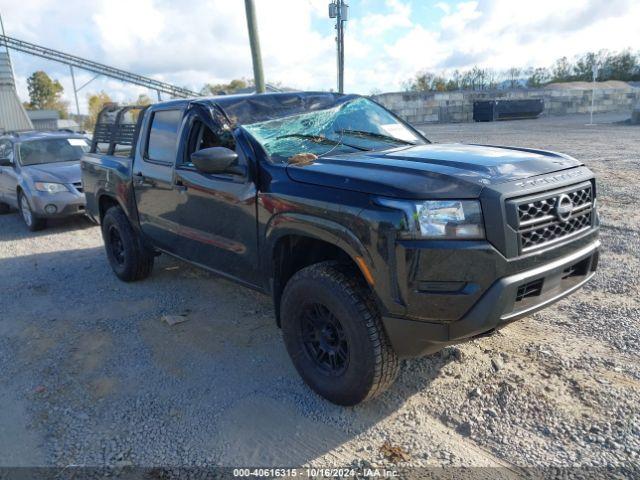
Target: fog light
{"type": "Point", "coordinates": [51, 209]}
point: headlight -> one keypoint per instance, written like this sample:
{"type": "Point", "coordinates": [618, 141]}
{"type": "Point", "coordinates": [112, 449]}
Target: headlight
{"type": "Point", "coordinates": [51, 187]}
{"type": "Point", "coordinates": [440, 219]}
{"type": "Point", "coordinates": [450, 219]}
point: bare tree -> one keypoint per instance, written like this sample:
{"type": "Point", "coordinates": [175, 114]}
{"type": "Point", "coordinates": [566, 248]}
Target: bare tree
{"type": "Point", "coordinates": [513, 74]}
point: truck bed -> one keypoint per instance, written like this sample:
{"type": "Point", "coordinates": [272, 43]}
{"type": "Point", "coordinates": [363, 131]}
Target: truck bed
{"type": "Point", "coordinates": [106, 174]}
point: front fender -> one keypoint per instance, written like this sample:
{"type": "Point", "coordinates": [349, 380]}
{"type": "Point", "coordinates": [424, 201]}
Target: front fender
{"type": "Point", "coordinates": [289, 223]}
{"type": "Point", "coordinates": [359, 243]}
{"type": "Point", "coordinates": [25, 185]}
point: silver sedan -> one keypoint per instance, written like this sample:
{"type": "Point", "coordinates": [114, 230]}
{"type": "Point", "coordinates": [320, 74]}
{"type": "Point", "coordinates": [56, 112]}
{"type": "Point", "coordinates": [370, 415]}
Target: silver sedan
{"type": "Point", "coordinates": [40, 176]}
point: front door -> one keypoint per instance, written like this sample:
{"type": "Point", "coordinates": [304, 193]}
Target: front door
{"type": "Point", "coordinates": [157, 198]}
{"type": "Point", "coordinates": [8, 175]}
{"type": "Point", "coordinates": [218, 216]}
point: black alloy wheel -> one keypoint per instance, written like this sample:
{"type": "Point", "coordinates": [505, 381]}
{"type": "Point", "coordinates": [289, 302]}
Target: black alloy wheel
{"type": "Point", "coordinates": [324, 339]}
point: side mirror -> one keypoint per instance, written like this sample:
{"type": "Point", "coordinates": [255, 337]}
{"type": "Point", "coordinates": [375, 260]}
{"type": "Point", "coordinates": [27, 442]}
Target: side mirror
{"type": "Point", "coordinates": [217, 160]}
{"type": "Point", "coordinates": [6, 162]}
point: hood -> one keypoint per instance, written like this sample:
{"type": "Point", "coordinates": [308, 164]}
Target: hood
{"type": "Point", "coordinates": [437, 170]}
{"type": "Point", "coordinates": [62, 172]}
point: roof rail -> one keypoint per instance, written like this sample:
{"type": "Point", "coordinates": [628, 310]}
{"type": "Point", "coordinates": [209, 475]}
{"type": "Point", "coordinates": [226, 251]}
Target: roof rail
{"type": "Point", "coordinates": [16, 133]}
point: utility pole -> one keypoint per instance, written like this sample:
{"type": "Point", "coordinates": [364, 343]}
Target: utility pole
{"type": "Point", "coordinates": [593, 88]}
{"type": "Point", "coordinates": [340, 11]}
{"type": "Point", "coordinates": [254, 40]}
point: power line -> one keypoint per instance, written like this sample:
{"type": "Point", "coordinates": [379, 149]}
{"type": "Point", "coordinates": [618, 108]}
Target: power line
{"type": "Point", "coordinates": [95, 67]}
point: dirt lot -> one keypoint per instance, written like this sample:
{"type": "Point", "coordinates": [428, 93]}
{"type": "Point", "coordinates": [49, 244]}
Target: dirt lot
{"type": "Point", "coordinates": [92, 376]}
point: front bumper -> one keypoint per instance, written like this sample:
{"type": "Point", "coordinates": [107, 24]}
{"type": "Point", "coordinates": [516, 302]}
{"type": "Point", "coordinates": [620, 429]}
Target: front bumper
{"type": "Point", "coordinates": [507, 299]}
{"type": "Point", "coordinates": [66, 204]}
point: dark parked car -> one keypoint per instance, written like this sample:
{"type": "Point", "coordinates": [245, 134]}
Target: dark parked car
{"type": "Point", "coordinates": [40, 175]}
{"type": "Point", "coordinates": [374, 243]}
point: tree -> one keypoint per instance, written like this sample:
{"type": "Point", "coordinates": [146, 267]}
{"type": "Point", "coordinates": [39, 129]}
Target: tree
{"type": "Point", "coordinates": [491, 78]}
{"type": "Point", "coordinates": [451, 85]}
{"type": "Point", "coordinates": [624, 66]}
{"type": "Point", "coordinates": [455, 82]}
{"type": "Point", "coordinates": [428, 82]}
{"type": "Point", "coordinates": [143, 100]}
{"type": "Point", "coordinates": [97, 102]}
{"type": "Point", "coordinates": [513, 75]}
{"type": "Point", "coordinates": [226, 88]}
{"type": "Point", "coordinates": [478, 78]}
{"type": "Point", "coordinates": [537, 77]}
{"type": "Point", "coordinates": [46, 94]}
{"type": "Point", "coordinates": [439, 84]}
{"type": "Point", "coordinates": [621, 66]}
{"type": "Point", "coordinates": [562, 70]}
{"type": "Point", "coordinates": [584, 66]}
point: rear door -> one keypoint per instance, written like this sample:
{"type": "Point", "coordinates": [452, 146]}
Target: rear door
{"type": "Point", "coordinates": [218, 213]}
{"type": "Point", "coordinates": [157, 198]}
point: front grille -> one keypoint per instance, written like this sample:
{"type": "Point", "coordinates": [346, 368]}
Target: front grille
{"type": "Point", "coordinates": [78, 187]}
{"type": "Point", "coordinates": [553, 231]}
{"type": "Point", "coordinates": [539, 221]}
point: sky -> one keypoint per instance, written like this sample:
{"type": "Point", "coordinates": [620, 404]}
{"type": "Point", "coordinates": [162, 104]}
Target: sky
{"type": "Point", "coordinates": [190, 43]}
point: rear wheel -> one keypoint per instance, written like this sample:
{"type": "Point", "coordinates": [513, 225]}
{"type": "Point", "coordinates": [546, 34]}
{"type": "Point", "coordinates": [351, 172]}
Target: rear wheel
{"type": "Point", "coordinates": [334, 334]}
{"type": "Point", "coordinates": [32, 222]}
{"type": "Point", "coordinates": [128, 257]}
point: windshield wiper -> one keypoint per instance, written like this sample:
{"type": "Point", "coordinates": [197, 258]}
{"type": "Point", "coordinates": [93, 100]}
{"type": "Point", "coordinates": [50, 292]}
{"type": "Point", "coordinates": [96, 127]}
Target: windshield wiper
{"type": "Point", "coordinates": [320, 140]}
{"type": "Point", "coordinates": [313, 138]}
{"type": "Point", "coordinates": [362, 133]}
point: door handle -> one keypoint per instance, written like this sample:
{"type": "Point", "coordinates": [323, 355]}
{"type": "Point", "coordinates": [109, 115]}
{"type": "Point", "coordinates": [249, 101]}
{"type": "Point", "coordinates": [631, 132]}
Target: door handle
{"type": "Point", "coordinates": [179, 186]}
{"type": "Point", "coordinates": [142, 181]}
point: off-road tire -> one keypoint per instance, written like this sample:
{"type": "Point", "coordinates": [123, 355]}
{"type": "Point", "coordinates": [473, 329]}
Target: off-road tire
{"type": "Point", "coordinates": [29, 218]}
{"type": "Point", "coordinates": [372, 364]}
{"type": "Point", "coordinates": [127, 255]}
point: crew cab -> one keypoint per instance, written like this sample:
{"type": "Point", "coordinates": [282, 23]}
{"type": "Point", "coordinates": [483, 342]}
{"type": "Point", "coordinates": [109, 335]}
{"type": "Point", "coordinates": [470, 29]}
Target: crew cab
{"type": "Point", "coordinates": [375, 243]}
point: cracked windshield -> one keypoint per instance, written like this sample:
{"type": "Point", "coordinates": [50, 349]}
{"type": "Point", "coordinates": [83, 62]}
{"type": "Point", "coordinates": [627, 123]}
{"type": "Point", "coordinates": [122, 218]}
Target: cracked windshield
{"type": "Point", "coordinates": [357, 125]}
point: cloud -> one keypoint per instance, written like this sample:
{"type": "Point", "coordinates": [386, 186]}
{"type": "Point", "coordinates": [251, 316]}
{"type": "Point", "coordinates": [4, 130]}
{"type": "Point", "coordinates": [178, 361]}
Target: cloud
{"type": "Point", "coordinates": [500, 34]}
{"type": "Point", "coordinates": [456, 21]}
{"type": "Point", "coordinates": [444, 7]}
{"type": "Point", "coordinates": [118, 32]}
{"type": "Point", "coordinates": [374, 25]}
{"type": "Point", "coordinates": [387, 41]}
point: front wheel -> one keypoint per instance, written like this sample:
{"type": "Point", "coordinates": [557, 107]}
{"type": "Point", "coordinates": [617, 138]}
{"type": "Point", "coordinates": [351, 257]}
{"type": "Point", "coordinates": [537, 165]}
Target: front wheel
{"type": "Point", "coordinates": [128, 257]}
{"type": "Point", "coordinates": [32, 222]}
{"type": "Point", "coordinates": [334, 335]}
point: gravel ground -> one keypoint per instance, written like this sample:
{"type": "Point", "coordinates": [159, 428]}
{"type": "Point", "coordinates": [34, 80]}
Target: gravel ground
{"type": "Point", "coordinates": [91, 375]}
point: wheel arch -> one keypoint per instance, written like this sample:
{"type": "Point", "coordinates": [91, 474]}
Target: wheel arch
{"type": "Point", "coordinates": [21, 188]}
{"type": "Point", "coordinates": [294, 241]}
{"type": "Point", "coordinates": [105, 202]}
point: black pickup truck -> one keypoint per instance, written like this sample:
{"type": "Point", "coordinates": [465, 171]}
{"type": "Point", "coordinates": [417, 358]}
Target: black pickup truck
{"type": "Point", "coordinates": [374, 243]}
